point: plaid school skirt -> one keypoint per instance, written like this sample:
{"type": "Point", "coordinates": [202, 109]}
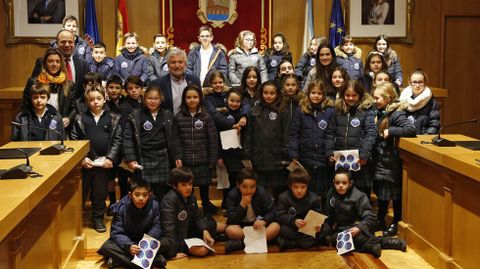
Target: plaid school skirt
{"type": "Point", "coordinates": [201, 175]}
{"type": "Point", "coordinates": [156, 165]}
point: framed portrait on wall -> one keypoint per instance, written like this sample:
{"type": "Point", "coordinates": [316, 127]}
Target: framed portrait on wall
{"type": "Point", "coordinates": [37, 21]}
{"type": "Point", "coordinates": [366, 19]}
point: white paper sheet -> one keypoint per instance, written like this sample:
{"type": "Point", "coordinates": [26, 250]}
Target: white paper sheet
{"type": "Point", "coordinates": [222, 178]}
{"type": "Point", "coordinates": [347, 158]}
{"type": "Point", "coordinates": [197, 242]}
{"type": "Point", "coordinates": [99, 162]}
{"type": "Point", "coordinates": [255, 240]}
{"type": "Point", "coordinates": [345, 242]}
{"type": "Point", "coordinates": [230, 139]}
{"type": "Point", "coordinates": [313, 219]}
{"type": "Point", "coordinates": [294, 165]}
{"type": "Point", "coordinates": [148, 249]}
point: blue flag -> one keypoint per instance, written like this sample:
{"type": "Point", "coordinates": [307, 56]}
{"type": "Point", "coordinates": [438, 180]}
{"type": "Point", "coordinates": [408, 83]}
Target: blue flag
{"type": "Point", "coordinates": [337, 27]}
{"type": "Point", "coordinates": [91, 27]}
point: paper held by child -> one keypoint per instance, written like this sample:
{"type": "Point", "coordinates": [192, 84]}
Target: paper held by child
{"type": "Point", "coordinates": [222, 178]}
{"type": "Point", "coordinates": [230, 139]}
{"type": "Point", "coordinates": [148, 249]}
{"type": "Point", "coordinates": [255, 240]}
{"type": "Point", "coordinates": [294, 165]}
{"type": "Point", "coordinates": [197, 242]}
{"type": "Point", "coordinates": [347, 159]}
{"type": "Point", "coordinates": [345, 242]}
{"type": "Point", "coordinates": [313, 219]}
{"type": "Point", "coordinates": [99, 162]}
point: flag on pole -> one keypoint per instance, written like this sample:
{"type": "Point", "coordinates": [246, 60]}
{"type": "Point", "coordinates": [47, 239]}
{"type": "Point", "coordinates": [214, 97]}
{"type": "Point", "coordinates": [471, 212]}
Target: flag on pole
{"type": "Point", "coordinates": [337, 27]}
{"type": "Point", "coordinates": [91, 27]}
{"type": "Point", "coordinates": [122, 24]}
{"type": "Point", "coordinates": [308, 28]}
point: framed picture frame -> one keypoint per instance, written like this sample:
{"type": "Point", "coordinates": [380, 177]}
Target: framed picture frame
{"type": "Point", "coordinates": [33, 21]}
{"type": "Point", "coordinates": [366, 19]}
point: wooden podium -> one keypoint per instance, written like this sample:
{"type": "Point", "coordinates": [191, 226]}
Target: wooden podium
{"type": "Point", "coordinates": [41, 223]}
{"type": "Point", "coordinates": [441, 201]}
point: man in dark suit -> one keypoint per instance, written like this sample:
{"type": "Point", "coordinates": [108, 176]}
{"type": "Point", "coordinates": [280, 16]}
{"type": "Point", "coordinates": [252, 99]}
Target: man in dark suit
{"type": "Point", "coordinates": [48, 11]}
{"type": "Point", "coordinates": [176, 80]}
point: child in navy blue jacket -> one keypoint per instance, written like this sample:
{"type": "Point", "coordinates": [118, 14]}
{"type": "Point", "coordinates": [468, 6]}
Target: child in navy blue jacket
{"type": "Point", "coordinates": [249, 204]}
{"type": "Point", "coordinates": [100, 63]}
{"type": "Point", "coordinates": [274, 55]}
{"type": "Point", "coordinates": [350, 209]}
{"type": "Point", "coordinates": [198, 136]}
{"type": "Point", "coordinates": [131, 61]}
{"type": "Point", "coordinates": [136, 214]}
{"type": "Point", "coordinates": [38, 114]}
{"type": "Point", "coordinates": [182, 219]}
{"type": "Point", "coordinates": [265, 142]}
{"type": "Point", "coordinates": [308, 133]}
{"type": "Point", "coordinates": [292, 208]}
{"type": "Point", "coordinates": [350, 58]}
{"type": "Point", "coordinates": [103, 130]}
{"type": "Point", "coordinates": [353, 127]}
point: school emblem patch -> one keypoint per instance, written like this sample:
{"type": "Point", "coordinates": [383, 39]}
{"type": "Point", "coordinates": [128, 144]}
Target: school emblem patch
{"type": "Point", "coordinates": [355, 122]}
{"type": "Point", "coordinates": [147, 126]}
{"type": "Point", "coordinates": [322, 124]}
{"type": "Point", "coordinates": [198, 124]}
{"type": "Point", "coordinates": [217, 12]}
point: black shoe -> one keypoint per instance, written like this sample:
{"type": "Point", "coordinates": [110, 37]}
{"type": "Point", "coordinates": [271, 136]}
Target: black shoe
{"type": "Point", "coordinates": [285, 244]}
{"type": "Point", "coordinates": [209, 208]}
{"type": "Point", "coordinates": [394, 243]}
{"type": "Point", "coordinates": [220, 237]}
{"type": "Point", "coordinates": [111, 263]}
{"type": "Point", "coordinates": [374, 249]}
{"type": "Point", "coordinates": [160, 261]}
{"type": "Point", "coordinates": [391, 231]}
{"type": "Point", "coordinates": [99, 226]}
{"type": "Point", "coordinates": [234, 245]}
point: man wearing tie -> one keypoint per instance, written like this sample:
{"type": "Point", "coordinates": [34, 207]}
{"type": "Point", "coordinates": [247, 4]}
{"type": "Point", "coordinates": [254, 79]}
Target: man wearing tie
{"type": "Point", "coordinates": [76, 67]}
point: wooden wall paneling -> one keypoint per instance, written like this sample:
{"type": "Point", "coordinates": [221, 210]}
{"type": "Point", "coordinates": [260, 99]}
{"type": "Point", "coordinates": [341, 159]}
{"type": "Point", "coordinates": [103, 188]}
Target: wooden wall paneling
{"type": "Point", "coordinates": [289, 18]}
{"type": "Point", "coordinates": [461, 73]}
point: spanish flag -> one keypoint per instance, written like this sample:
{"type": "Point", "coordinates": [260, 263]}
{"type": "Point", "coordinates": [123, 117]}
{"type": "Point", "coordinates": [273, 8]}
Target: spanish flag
{"type": "Point", "coordinates": [122, 24]}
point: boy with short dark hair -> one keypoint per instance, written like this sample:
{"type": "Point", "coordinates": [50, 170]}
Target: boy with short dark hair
{"type": "Point", "coordinates": [182, 219]}
{"type": "Point", "coordinates": [100, 62]}
{"type": "Point", "coordinates": [136, 214]}
{"type": "Point", "coordinates": [292, 208]}
{"type": "Point", "coordinates": [38, 114]}
{"type": "Point", "coordinates": [349, 209]}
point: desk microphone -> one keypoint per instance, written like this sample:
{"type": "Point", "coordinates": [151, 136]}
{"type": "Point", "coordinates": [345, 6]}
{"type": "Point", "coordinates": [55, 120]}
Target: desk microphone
{"type": "Point", "coordinates": [18, 172]}
{"type": "Point", "coordinates": [52, 150]}
{"type": "Point", "coordinates": [442, 142]}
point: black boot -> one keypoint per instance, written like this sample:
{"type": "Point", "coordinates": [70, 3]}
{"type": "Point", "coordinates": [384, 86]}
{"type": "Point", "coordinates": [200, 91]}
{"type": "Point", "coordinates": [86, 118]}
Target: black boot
{"type": "Point", "coordinates": [391, 231]}
{"type": "Point", "coordinates": [234, 245]}
{"type": "Point", "coordinates": [374, 249]}
{"type": "Point", "coordinates": [111, 263]}
{"type": "Point", "coordinates": [160, 261]}
{"type": "Point", "coordinates": [393, 243]}
{"type": "Point", "coordinates": [285, 244]}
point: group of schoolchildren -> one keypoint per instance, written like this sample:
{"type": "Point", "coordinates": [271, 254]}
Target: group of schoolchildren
{"type": "Point", "coordinates": [284, 116]}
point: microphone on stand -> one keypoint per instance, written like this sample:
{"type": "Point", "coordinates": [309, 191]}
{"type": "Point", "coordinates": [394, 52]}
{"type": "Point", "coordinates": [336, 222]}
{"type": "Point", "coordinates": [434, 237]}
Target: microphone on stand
{"type": "Point", "coordinates": [52, 150]}
{"type": "Point", "coordinates": [442, 142]}
{"type": "Point", "coordinates": [17, 172]}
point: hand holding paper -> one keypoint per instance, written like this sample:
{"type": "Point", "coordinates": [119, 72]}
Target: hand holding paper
{"type": "Point", "coordinates": [313, 220]}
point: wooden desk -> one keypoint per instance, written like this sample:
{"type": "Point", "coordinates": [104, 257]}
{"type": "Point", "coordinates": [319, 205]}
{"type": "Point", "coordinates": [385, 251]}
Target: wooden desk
{"type": "Point", "coordinates": [441, 202]}
{"type": "Point", "coordinates": [41, 223]}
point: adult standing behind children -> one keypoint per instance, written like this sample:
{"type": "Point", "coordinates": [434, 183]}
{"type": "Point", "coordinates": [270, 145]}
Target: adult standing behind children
{"type": "Point", "coordinates": [175, 81]}
{"type": "Point", "coordinates": [76, 67]}
{"type": "Point", "coordinates": [82, 48]}
{"type": "Point", "coordinates": [324, 65]}
{"type": "Point", "coordinates": [203, 59]}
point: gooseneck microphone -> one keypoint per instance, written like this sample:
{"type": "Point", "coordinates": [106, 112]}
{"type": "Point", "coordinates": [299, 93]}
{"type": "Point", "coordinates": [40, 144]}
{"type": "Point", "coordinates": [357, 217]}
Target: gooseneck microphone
{"type": "Point", "coordinates": [52, 150]}
{"type": "Point", "coordinates": [18, 172]}
{"type": "Point", "coordinates": [442, 142]}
